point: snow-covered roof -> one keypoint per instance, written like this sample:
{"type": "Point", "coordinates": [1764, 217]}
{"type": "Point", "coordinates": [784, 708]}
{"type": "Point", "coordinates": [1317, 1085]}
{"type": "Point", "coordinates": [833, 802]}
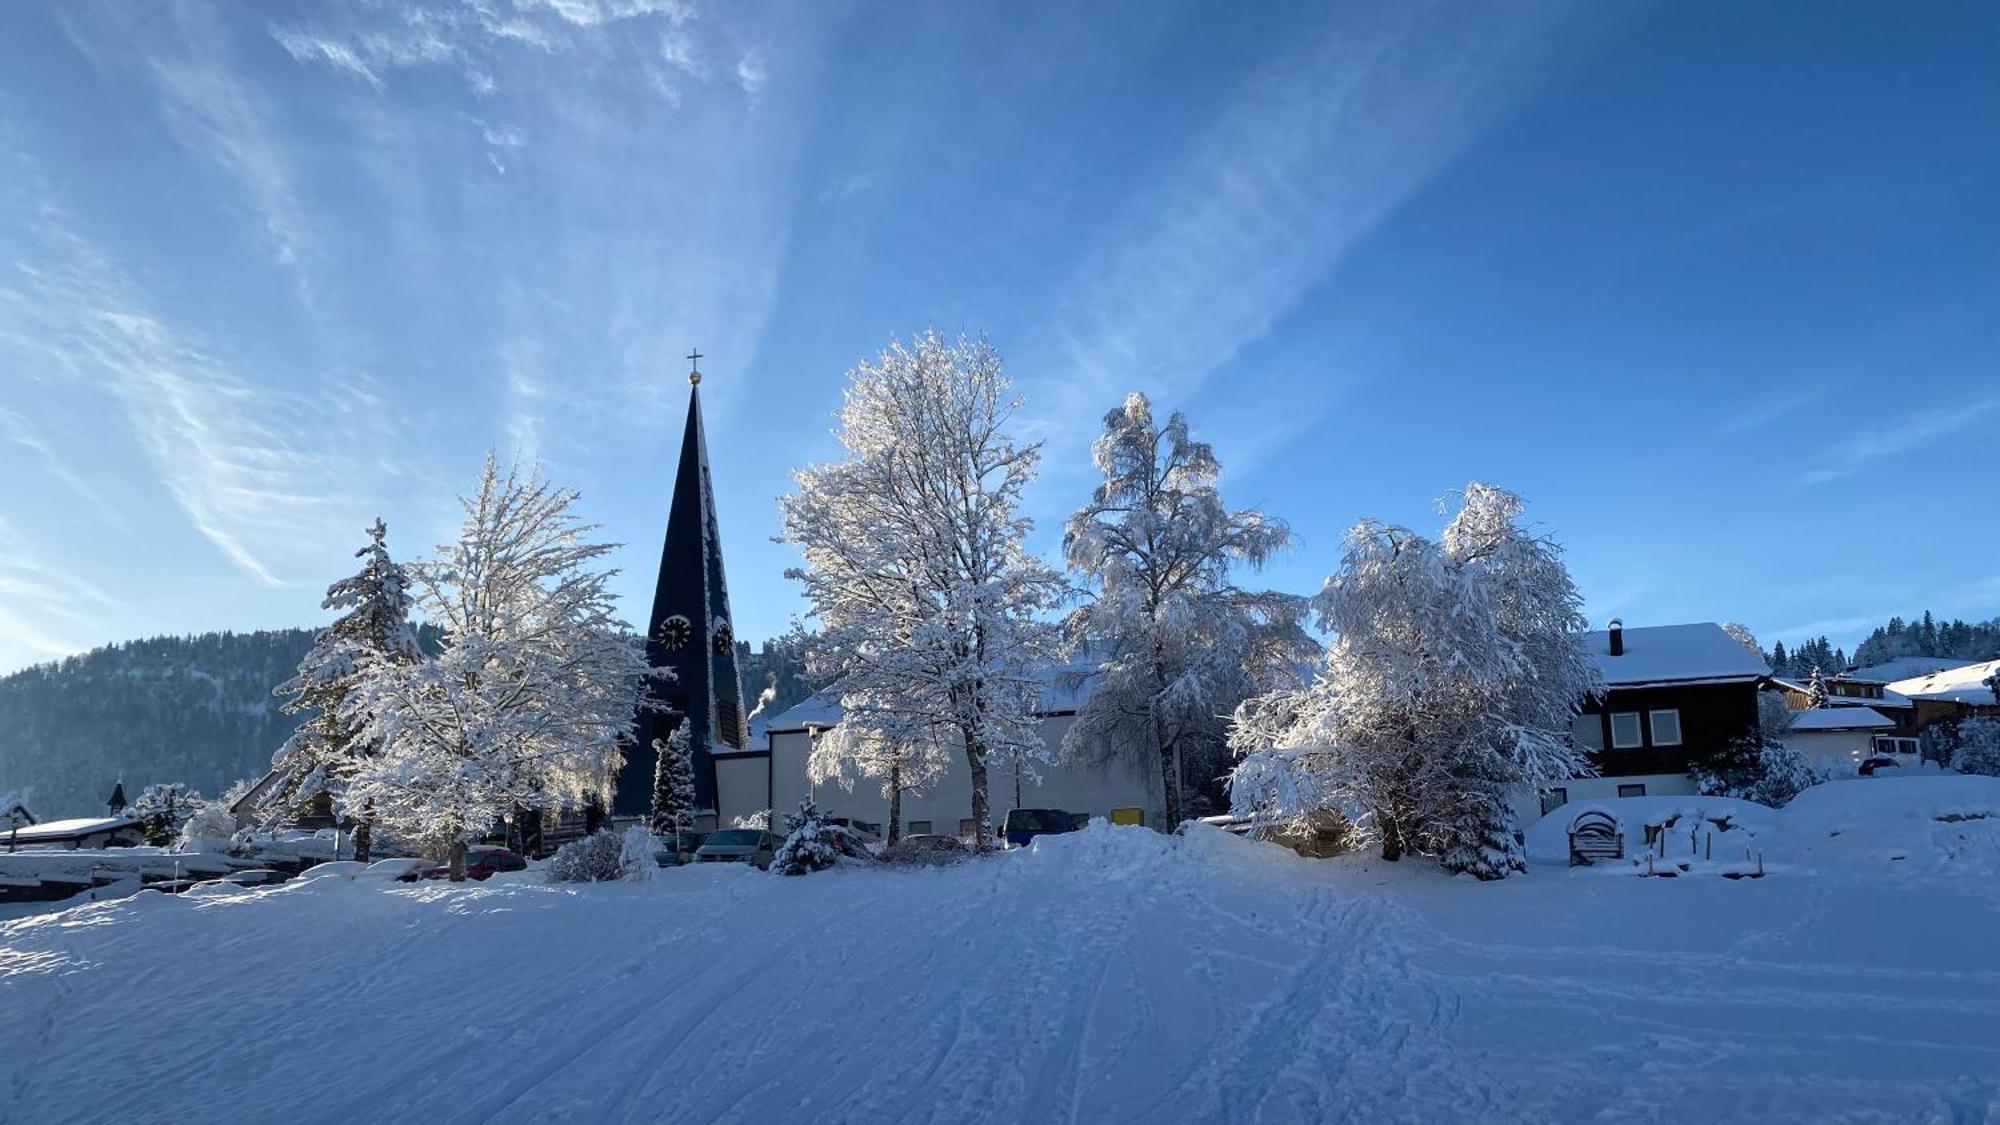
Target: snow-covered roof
{"type": "Point", "coordinates": [1841, 718]}
{"type": "Point", "coordinates": [1904, 668]}
{"type": "Point", "coordinates": [1961, 685]}
{"type": "Point", "coordinates": [1064, 687]}
{"type": "Point", "coordinates": [65, 829]}
{"type": "Point", "coordinates": [1665, 654]}
{"type": "Point", "coordinates": [1834, 699]}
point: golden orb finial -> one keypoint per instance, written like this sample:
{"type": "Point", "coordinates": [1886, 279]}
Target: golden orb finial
{"type": "Point", "coordinates": [694, 368]}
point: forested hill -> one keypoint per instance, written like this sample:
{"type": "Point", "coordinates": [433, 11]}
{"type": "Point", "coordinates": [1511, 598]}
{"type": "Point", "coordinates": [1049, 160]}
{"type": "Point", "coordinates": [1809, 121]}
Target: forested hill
{"type": "Point", "coordinates": [1927, 636]}
{"type": "Point", "coordinates": [194, 709]}
{"type": "Point", "coordinates": [198, 710]}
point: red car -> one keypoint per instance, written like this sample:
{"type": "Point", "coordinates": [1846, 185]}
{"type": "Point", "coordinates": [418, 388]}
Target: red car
{"type": "Point", "coordinates": [480, 864]}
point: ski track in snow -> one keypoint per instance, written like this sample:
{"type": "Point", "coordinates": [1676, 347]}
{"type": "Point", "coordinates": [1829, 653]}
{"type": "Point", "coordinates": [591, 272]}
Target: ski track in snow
{"type": "Point", "coordinates": [1115, 975]}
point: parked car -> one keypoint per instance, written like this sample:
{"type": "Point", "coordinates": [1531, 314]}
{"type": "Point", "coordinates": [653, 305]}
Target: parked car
{"type": "Point", "coordinates": [480, 864]}
{"type": "Point", "coordinates": [740, 845]}
{"type": "Point", "coordinates": [671, 856]}
{"type": "Point", "coordinates": [926, 849]}
{"type": "Point", "coordinates": [1023, 825]}
{"type": "Point", "coordinates": [255, 877]}
{"type": "Point", "coordinates": [1872, 765]}
{"type": "Point", "coordinates": [866, 829]}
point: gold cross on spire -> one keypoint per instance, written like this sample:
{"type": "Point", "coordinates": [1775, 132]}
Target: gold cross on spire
{"type": "Point", "coordinates": [694, 367]}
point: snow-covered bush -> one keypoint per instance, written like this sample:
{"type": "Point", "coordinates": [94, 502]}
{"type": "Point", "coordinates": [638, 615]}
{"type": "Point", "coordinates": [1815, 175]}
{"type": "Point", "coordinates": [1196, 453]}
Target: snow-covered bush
{"type": "Point", "coordinates": [604, 857]}
{"type": "Point", "coordinates": [1756, 769]}
{"type": "Point", "coordinates": [810, 846]}
{"type": "Point", "coordinates": [162, 809]}
{"type": "Point", "coordinates": [211, 829]}
{"type": "Point", "coordinates": [760, 819]}
{"type": "Point", "coordinates": [1978, 749]}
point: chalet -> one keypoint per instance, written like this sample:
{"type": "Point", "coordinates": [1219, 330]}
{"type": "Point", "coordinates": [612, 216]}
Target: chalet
{"type": "Point", "coordinates": [1851, 690]}
{"type": "Point", "coordinates": [90, 832]}
{"type": "Point", "coordinates": [1953, 693]}
{"type": "Point", "coordinates": [1672, 693]}
{"type": "Point", "coordinates": [1832, 737]}
{"type": "Point", "coordinates": [775, 777]}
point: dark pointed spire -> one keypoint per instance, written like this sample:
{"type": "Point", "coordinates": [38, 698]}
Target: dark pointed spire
{"type": "Point", "coordinates": [690, 631]}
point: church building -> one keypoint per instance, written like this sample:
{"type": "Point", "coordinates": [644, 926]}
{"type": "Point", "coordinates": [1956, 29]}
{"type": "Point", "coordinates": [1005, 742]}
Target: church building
{"type": "Point", "coordinates": [689, 632]}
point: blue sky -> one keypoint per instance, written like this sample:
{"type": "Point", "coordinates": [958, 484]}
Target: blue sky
{"type": "Point", "coordinates": [1717, 287]}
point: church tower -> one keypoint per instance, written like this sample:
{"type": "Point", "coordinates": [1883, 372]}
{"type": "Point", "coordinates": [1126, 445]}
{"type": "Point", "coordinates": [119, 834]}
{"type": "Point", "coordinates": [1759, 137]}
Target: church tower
{"type": "Point", "coordinates": [689, 632]}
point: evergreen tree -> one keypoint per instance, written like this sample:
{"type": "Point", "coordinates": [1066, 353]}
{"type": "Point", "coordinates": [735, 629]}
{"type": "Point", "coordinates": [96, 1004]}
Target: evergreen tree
{"type": "Point", "coordinates": [323, 754]}
{"type": "Point", "coordinates": [1816, 690]}
{"type": "Point", "coordinates": [1977, 748]}
{"type": "Point", "coordinates": [1780, 661]}
{"type": "Point", "coordinates": [807, 847]}
{"type": "Point", "coordinates": [673, 785]}
{"type": "Point", "coordinates": [1179, 644]}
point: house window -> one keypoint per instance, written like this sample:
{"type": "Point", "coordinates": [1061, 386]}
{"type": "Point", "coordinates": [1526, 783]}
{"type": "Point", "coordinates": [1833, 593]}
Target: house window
{"type": "Point", "coordinates": [1128, 816]}
{"type": "Point", "coordinates": [920, 828]}
{"type": "Point", "coordinates": [1625, 731]}
{"type": "Point", "coordinates": [1632, 790]}
{"type": "Point", "coordinates": [1586, 732]}
{"type": "Point", "coordinates": [1666, 727]}
{"type": "Point", "coordinates": [965, 826]}
{"type": "Point", "coordinates": [1553, 799]}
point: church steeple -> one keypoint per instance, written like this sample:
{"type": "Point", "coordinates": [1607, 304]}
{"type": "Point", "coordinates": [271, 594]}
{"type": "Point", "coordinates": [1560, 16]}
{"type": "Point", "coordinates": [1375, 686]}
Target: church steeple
{"type": "Point", "coordinates": [690, 632]}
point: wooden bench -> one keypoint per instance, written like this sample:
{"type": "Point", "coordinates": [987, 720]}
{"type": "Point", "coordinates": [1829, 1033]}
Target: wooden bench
{"type": "Point", "coordinates": [1595, 835]}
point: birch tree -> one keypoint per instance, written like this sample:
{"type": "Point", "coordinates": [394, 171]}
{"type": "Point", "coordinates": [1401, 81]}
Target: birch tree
{"type": "Point", "coordinates": [324, 753]}
{"type": "Point", "coordinates": [1180, 645]}
{"type": "Point", "coordinates": [527, 705]}
{"type": "Point", "coordinates": [927, 599]}
{"type": "Point", "coordinates": [1456, 667]}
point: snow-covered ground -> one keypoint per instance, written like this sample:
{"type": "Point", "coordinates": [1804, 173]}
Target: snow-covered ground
{"type": "Point", "coordinates": [1111, 975]}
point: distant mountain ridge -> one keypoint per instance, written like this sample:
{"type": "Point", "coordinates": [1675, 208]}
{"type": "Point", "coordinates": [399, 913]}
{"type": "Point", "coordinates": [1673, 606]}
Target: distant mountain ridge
{"type": "Point", "coordinates": [198, 709]}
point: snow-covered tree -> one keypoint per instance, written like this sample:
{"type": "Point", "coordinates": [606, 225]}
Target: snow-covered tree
{"type": "Point", "coordinates": [527, 704]}
{"type": "Point", "coordinates": [1978, 747]}
{"type": "Point", "coordinates": [605, 857]}
{"type": "Point", "coordinates": [1456, 668]}
{"type": "Point", "coordinates": [162, 809]}
{"type": "Point", "coordinates": [373, 629]}
{"type": "Point", "coordinates": [808, 845]}
{"type": "Point", "coordinates": [928, 602]}
{"type": "Point", "coordinates": [1759, 767]}
{"type": "Point", "coordinates": [1179, 644]}
{"type": "Point", "coordinates": [210, 829]}
{"type": "Point", "coordinates": [1816, 689]}
{"type": "Point", "coordinates": [902, 757]}
{"type": "Point", "coordinates": [1743, 636]}
{"type": "Point", "coordinates": [673, 784]}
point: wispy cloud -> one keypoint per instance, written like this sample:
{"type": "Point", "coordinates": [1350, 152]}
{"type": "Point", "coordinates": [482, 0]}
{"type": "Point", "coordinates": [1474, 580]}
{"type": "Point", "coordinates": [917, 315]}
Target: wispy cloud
{"type": "Point", "coordinates": [1766, 409]}
{"type": "Point", "coordinates": [209, 109]}
{"type": "Point", "coordinates": [1899, 435]}
{"type": "Point", "coordinates": [262, 473]}
{"type": "Point", "coordinates": [1315, 151]}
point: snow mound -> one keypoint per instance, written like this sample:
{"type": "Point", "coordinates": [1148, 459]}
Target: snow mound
{"type": "Point", "coordinates": [1937, 824]}
{"type": "Point", "coordinates": [1733, 820]}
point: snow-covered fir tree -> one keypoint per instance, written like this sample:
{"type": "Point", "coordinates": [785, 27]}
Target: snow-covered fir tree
{"type": "Point", "coordinates": [1456, 668]}
{"type": "Point", "coordinates": [1180, 645]}
{"type": "Point", "coordinates": [526, 705]}
{"type": "Point", "coordinates": [929, 603]}
{"type": "Point", "coordinates": [373, 629]}
{"type": "Point", "coordinates": [162, 809]}
{"type": "Point", "coordinates": [1816, 690]}
{"type": "Point", "coordinates": [673, 785]}
{"type": "Point", "coordinates": [1976, 748]}
{"type": "Point", "coordinates": [808, 845]}
{"type": "Point", "coordinates": [1760, 767]}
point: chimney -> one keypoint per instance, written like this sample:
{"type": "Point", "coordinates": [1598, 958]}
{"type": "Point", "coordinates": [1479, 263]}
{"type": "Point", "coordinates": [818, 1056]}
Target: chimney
{"type": "Point", "coordinates": [1617, 637]}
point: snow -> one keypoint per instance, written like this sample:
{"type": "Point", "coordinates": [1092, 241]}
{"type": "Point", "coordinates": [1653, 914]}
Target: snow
{"type": "Point", "coordinates": [1657, 654]}
{"type": "Point", "coordinates": [1965, 684]}
{"type": "Point", "coordinates": [1905, 667]}
{"type": "Point", "coordinates": [64, 829]}
{"type": "Point", "coordinates": [1841, 718]}
{"type": "Point", "coordinates": [1113, 974]}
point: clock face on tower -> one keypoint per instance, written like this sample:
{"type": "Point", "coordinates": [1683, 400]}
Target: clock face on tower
{"type": "Point", "coordinates": [723, 638]}
{"type": "Point", "coordinates": [675, 632]}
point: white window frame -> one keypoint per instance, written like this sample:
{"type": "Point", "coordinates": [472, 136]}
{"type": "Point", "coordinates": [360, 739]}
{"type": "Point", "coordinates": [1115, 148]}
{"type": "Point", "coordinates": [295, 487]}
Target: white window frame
{"type": "Point", "coordinates": [1639, 785]}
{"type": "Point", "coordinates": [1653, 724]}
{"type": "Point", "coordinates": [1638, 731]}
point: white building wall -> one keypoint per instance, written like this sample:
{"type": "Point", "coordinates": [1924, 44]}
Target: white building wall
{"type": "Point", "coordinates": [742, 786]}
{"type": "Point", "coordinates": [1602, 790]}
{"type": "Point", "coordinates": [1832, 749]}
{"type": "Point", "coordinates": [948, 805]}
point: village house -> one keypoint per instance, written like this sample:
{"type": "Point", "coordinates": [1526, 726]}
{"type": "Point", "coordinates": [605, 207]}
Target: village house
{"type": "Point", "coordinates": [1952, 693]}
{"type": "Point", "coordinates": [776, 777]}
{"type": "Point", "coordinates": [1672, 693]}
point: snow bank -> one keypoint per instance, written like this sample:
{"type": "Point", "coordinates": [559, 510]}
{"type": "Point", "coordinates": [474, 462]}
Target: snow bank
{"type": "Point", "coordinates": [1548, 838]}
{"type": "Point", "coordinates": [1112, 974]}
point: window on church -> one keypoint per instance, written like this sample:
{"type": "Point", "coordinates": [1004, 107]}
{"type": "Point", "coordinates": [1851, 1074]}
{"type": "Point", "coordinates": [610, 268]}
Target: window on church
{"type": "Point", "coordinates": [920, 828]}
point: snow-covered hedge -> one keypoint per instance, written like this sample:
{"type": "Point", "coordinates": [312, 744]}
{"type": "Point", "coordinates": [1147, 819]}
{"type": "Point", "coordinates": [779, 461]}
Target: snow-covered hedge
{"type": "Point", "coordinates": [605, 857]}
{"type": "Point", "coordinates": [1978, 747]}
